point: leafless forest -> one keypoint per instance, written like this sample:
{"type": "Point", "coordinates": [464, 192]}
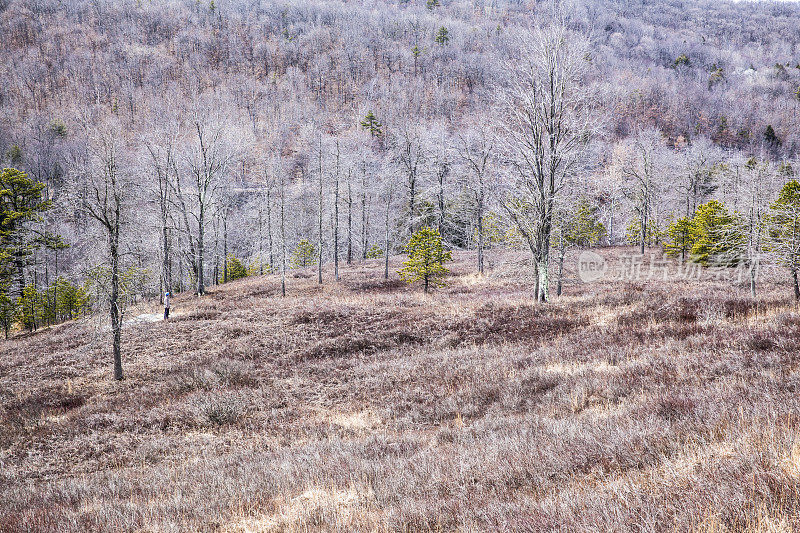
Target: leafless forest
{"type": "Point", "coordinates": [275, 166]}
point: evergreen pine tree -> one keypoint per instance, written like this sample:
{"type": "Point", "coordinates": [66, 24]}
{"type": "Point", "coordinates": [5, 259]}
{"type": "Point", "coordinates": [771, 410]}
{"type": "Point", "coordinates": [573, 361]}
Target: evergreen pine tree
{"type": "Point", "coordinates": [21, 202]}
{"type": "Point", "coordinates": [236, 269]}
{"type": "Point", "coordinates": [771, 137]}
{"type": "Point", "coordinates": [784, 230]}
{"type": "Point", "coordinates": [442, 36]}
{"type": "Point", "coordinates": [8, 312]}
{"type": "Point", "coordinates": [372, 124]}
{"type": "Point", "coordinates": [426, 258]}
{"type": "Point", "coordinates": [304, 255]}
{"type": "Point", "coordinates": [584, 228]}
{"type": "Point", "coordinates": [681, 238]}
{"type": "Point", "coordinates": [712, 237]}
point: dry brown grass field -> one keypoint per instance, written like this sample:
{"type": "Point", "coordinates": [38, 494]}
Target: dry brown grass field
{"type": "Point", "coordinates": [366, 405]}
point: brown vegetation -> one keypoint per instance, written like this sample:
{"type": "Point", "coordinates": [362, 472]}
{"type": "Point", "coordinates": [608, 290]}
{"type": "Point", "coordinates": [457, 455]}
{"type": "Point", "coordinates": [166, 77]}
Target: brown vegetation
{"type": "Point", "coordinates": [366, 405]}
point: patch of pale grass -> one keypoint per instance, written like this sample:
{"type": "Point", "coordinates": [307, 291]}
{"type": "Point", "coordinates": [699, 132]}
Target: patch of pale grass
{"type": "Point", "coordinates": [362, 420]}
{"type": "Point", "coordinates": [598, 367]}
{"type": "Point", "coordinates": [336, 509]}
{"type": "Point", "coordinates": [765, 521]}
{"type": "Point", "coordinates": [791, 463]}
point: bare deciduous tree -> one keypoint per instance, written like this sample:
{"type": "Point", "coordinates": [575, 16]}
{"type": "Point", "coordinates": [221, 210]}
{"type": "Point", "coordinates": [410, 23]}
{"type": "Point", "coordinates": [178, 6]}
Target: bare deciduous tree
{"type": "Point", "coordinates": [208, 156]}
{"type": "Point", "coordinates": [107, 194]}
{"type": "Point", "coordinates": [476, 149]}
{"type": "Point", "coordinates": [549, 121]}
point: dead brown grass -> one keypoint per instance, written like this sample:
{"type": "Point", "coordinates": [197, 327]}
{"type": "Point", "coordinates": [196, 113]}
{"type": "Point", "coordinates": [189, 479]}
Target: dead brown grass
{"type": "Point", "coordinates": [366, 405]}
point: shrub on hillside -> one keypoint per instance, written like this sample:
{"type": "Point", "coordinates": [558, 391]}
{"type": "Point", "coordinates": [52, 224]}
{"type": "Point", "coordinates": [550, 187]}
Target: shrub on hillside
{"type": "Point", "coordinates": [235, 268]}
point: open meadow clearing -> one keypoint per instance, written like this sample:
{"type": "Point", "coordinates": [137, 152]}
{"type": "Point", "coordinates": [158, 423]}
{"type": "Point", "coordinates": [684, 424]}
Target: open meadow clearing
{"type": "Point", "coordinates": [367, 405]}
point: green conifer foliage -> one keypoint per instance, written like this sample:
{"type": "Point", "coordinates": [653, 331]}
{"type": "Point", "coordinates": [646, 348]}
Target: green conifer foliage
{"type": "Point", "coordinates": [21, 202]}
{"type": "Point", "coordinates": [712, 234]}
{"type": "Point", "coordinates": [374, 252]}
{"type": "Point", "coordinates": [784, 230]}
{"type": "Point", "coordinates": [8, 312]}
{"type": "Point", "coordinates": [426, 258]}
{"type": "Point", "coordinates": [30, 307]}
{"type": "Point", "coordinates": [585, 229]}
{"type": "Point", "coordinates": [236, 269]}
{"type": "Point", "coordinates": [71, 299]}
{"type": "Point", "coordinates": [681, 238]}
{"type": "Point", "coordinates": [372, 124]}
{"type": "Point", "coordinates": [442, 36]}
{"type": "Point", "coordinates": [304, 255]}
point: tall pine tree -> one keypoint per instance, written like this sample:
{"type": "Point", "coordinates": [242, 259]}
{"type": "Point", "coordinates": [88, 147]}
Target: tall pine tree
{"type": "Point", "coordinates": [21, 204]}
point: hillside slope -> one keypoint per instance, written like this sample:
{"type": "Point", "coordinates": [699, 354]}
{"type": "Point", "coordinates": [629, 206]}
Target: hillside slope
{"type": "Point", "coordinates": [366, 405]}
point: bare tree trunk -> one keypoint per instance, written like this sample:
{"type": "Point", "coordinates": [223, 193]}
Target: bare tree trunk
{"type": "Point", "coordinates": [611, 223]}
{"type": "Point", "coordinates": [269, 229]}
{"type": "Point", "coordinates": [336, 218]}
{"type": "Point", "coordinates": [544, 279]}
{"type": "Point", "coordinates": [480, 231]}
{"type": "Point", "coordinates": [364, 243]}
{"type": "Point", "coordinates": [116, 316]}
{"type": "Point", "coordinates": [180, 271]}
{"type": "Point", "coordinates": [349, 221]}
{"type": "Point", "coordinates": [167, 266]}
{"type": "Point", "coordinates": [319, 229]}
{"type": "Point", "coordinates": [283, 237]}
{"type": "Point", "coordinates": [412, 185]}
{"type": "Point", "coordinates": [261, 239]}
{"type": "Point", "coordinates": [561, 253]}
{"type": "Point", "coordinates": [216, 251]}
{"type": "Point", "coordinates": [106, 208]}
{"type": "Point", "coordinates": [386, 238]}
{"type": "Point", "coordinates": [440, 197]}
{"type": "Point", "coordinates": [643, 228]}
{"type": "Point", "coordinates": [201, 286]}
{"type": "Point", "coordinates": [225, 247]}
{"type": "Point", "coordinates": [795, 284]}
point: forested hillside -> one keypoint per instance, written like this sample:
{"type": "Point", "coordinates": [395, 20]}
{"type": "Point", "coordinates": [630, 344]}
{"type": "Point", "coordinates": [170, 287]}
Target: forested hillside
{"type": "Point", "coordinates": [399, 265]}
{"type": "Point", "coordinates": [202, 137]}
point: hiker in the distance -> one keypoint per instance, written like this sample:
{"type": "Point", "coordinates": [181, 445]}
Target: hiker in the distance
{"type": "Point", "coordinates": [166, 306]}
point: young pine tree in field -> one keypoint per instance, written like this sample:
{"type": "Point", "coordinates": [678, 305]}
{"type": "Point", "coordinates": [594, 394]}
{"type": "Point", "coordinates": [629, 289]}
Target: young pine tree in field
{"type": "Point", "coordinates": [442, 36]}
{"type": "Point", "coordinates": [784, 230]}
{"type": "Point", "coordinates": [304, 255]}
{"type": "Point", "coordinates": [426, 258]}
{"type": "Point", "coordinates": [236, 269]}
{"type": "Point", "coordinates": [712, 235]}
{"type": "Point", "coordinates": [8, 304]}
{"type": "Point", "coordinates": [583, 227]}
{"type": "Point", "coordinates": [633, 233]}
{"type": "Point", "coordinates": [71, 299]}
{"type": "Point", "coordinates": [30, 307]}
{"type": "Point", "coordinates": [374, 252]}
{"type": "Point", "coordinates": [681, 238]}
{"type": "Point", "coordinates": [8, 312]}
